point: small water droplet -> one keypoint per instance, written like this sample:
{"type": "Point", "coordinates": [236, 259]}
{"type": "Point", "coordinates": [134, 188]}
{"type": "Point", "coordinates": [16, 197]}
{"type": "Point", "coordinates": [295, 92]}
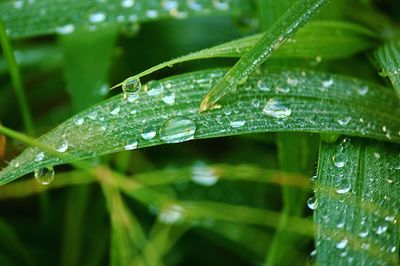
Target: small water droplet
{"type": "Point", "coordinates": [276, 109]}
{"type": "Point", "coordinates": [44, 175]}
{"type": "Point", "coordinates": [92, 115]}
{"type": "Point", "coordinates": [152, 13]}
{"type": "Point", "coordinates": [339, 160]}
{"type": "Point", "coordinates": [327, 83]}
{"type": "Point", "coordinates": [221, 4]}
{"type": "Point", "coordinates": [263, 86]}
{"type": "Point", "coordinates": [79, 121]}
{"type": "Point", "coordinates": [203, 175]}
{"type": "Point", "coordinates": [237, 123]}
{"type": "Point", "coordinates": [148, 133]}
{"type": "Point", "coordinates": [154, 88]}
{"type": "Point", "coordinates": [393, 249]}
{"type": "Point", "coordinates": [177, 129]}
{"type": "Point", "coordinates": [131, 87]}
{"type": "Point", "coordinates": [62, 145]}
{"type": "Point", "coordinates": [282, 90]}
{"type": "Point", "coordinates": [171, 215]}
{"type": "Point", "coordinates": [114, 109]}
{"type": "Point", "coordinates": [39, 156]}
{"type": "Point", "coordinates": [194, 5]}
{"type": "Point", "coordinates": [381, 229]}
{"type": "Point", "coordinates": [363, 234]}
{"type": "Point", "coordinates": [169, 98]}
{"type": "Point", "coordinates": [292, 82]}
{"type": "Point", "coordinates": [97, 17]}
{"type": "Point", "coordinates": [363, 90]}
{"type": "Point", "coordinates": [66, 29]}
{"type": "Point", "coordinates": [391, 219]}
{"type": "Point", "coordinates": [132, 144]}
{"type": "Point", "coordinates": [344, 121]}
{"type": "Point", "coordinates": [170, 4]}
{"type": "Point", "coordinates": [127, 3]}
{"type": "Point", "coordinates": [255, 102]}
{"type": "Point", "coordinates": [342, 244]}
{"type": "Point", "coordinates": [312, 203]}
{"type": "Point", "coordinates": [343, 187]}
{"type": "Point", "coordinates": [377, 155]}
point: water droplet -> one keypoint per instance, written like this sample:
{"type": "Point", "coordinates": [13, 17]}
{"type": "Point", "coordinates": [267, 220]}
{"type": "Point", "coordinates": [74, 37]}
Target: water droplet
{"type": "Point", "coordinates": [381, 229]}
{"type": "Point", "coordinates": [114, 109]}
{"type": "Point", "coordinates": [221, 4]}
{"type": "Point", "coordinates": [203, 175]}
{"type": "Point", "coordinates": [152, 13]}
{"type": "Point", "coordinates": [79, 121]}
{"type": "Point", "coordinates": [148, 133]}
{"type": "Point", "coordinates": [343, 187]}
{"type": "Point", "coordinates": [342, 244]}
{"type": "Point", "coordinates": [282, 90]}
{"type": "Point", "coordinates": [312, 203]}
{"type": "Point", "coordinates": [237, 123]}
{"type": "Point", "coordinates": [171, 215]}
{"type": "Point", "coordinates": [169, 98]}
{"type": "Point", "coordinates": [377, 155]}
{"type": "Point", "coordinates": [363, 90]}
{"type": "Point", "coordinates": [127, 3]}
{"type": "Point", "coordinates": [194, 5]}
{"type": "Point", "coordinates": [391, 219]}
{"type": "Point", "coordinates": [255, 102]}
{"type": "Point", "coordinates": [393, 249]}
{"type": "Point", "coordinates": [339, 160]}
{"type": "Point", "coordinates": [92, 115]}
{"type": "Point", "coordinates": [344, 121]}
{"type": "Point", "coordinates": [292, 82]}
{"type": "Point", "coordinates": [131, 87]}
{"type": "Point", "coordinates": [97, 17]}
{"type": "Point", "coordinates": [39, 156]}
{"type": "Point", "coordinates": [177, 129]}
{"type": "Point", "coordinates": [132, 144]}
{"type": "Point", "coordinates": [363, 234]}
{"type": "Point", "coordinates": [18, 4]}
{"type": "Point", "coordinates": [263, 86]}
{"type": "Point", "coordinates": [44, 175]}
{"type": "Point", "coordinates": [154, 88]}
{"type": "Point", "coordinates": [62, 145]}
{"type": "Point", "coordinates": [170, 4]}
{"type": "Point", "coordinates": [66, 29]}
{"type": "Point", "coordinates": [327, 83]}
{"type": "Point", "coordinates": [276, 109]}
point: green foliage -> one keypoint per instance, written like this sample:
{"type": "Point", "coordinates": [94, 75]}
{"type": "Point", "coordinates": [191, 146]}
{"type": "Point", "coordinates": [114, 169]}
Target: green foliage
{"type": "Point", "coordinates": [142, 177]}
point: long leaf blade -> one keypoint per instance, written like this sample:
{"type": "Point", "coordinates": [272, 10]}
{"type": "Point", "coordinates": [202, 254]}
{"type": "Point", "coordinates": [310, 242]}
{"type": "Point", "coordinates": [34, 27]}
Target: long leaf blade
{"type": "Point", "coordinates": [268, 102]}
{"type": "Point", "coordinates": [389, 58]}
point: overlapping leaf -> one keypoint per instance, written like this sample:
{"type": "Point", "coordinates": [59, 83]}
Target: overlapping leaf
{"type": "Point", "coordinates": [389, 58]}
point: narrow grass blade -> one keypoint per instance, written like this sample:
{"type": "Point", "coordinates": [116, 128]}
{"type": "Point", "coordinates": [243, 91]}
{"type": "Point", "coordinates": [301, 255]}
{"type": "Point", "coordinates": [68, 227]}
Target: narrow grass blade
{"type": "Point", "coordinates": [267, 102]}
{"type": "Point", "coordinates": [316, 39]}
{"type": "Point", "coordinates": [389, 59]}
{"type": "Point", "coordinates": [16, 80]}
{"type": "Point", "coordinates": [357, 203]}
{"type": "Point", "coordinates": [33, 18]}
{"type": "Point", "coordinates": [289, 23]}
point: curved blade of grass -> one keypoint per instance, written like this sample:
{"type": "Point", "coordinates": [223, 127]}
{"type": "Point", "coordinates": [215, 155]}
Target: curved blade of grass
{"type": "Point", "coordinates": [267, 102]}
{"type": "Point", "coordinates": [289, 23]}
{"type": "Point", "coordinates": [33, 18]}
{"type": "Point", "coordinates": [318, 38]}
{"type": "Point", "coordinates": [362, 213]}
{"type": "Point", "coordinates": [389, 59]}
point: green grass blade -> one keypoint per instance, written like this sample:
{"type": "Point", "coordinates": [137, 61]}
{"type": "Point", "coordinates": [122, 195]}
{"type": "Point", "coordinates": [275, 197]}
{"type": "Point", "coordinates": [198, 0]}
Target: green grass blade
{"type": "Point", "coordinates": [27, 19]}
{"type": "Point", "coordinates": [389, 59]}
{"type": "Point", "coordinates": [316, 39]}
{"type": "Point", "coordinates": [357, 203]}
{"type": "Point", "coordinates": [267, 102]}
{"type": "Point", "coordinates": [286, 26]}
{"type": "Point", "coordinates": [16, 80]}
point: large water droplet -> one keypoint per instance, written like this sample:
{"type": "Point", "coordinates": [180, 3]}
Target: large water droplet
{"type": "Point", "coordinates": [148, 133]}
{"type": "Point", "coordinates": [203, 175]}
{"type": "Point", "coordinates": [44, 175]}
{"type": "Point", "coordinates": [339, 160]}
{"type": "Point", "coordinates": [276, 109]}
{"type": "Point", "coordinates": [131, 87]}
{"type": "Point", "coordinates": [342, 244]}
{"type": "Point", "coordinates": [62, 145]}
{"type": "Point", "coordinates": [312, 203]}
{"type": "Point", "coordinates": [177, 129]}
{"type": "Point", "coordinates": [154, 88]}
{"type": "Point", "coordinates": [343, 186]}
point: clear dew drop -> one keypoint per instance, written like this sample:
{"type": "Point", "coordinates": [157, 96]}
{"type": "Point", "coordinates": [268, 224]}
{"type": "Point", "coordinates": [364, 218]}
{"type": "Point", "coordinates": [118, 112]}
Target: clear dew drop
{"type": "Point", "coordinates": [154, 88]}
{"type": "Point", "coordinates": [66, 29]}
{"type": "Point", "coordinates": [177, 129]}
{"type": "Point", "coordinates": [171, 215]}
{"type": "Point", "coordinates": [131, 87]}
{"type": "Point", "coordinates": [342, 243]}
{"type": "Point", "coordinates": [263, 86]}
{"type": "Point", "coordinates": [377, 155]}
{"type": "Point", "coordinates": [44, 175]}
{"type": "Point", "coordinates": [79, 121]}
{"type": "Point", "coordinates": [194, 5]}
{"type": "Point", "coordinates": [255, 102]}
{"type": "Point", "coordinates": [131, 145]}
{"type": "Point", "coordinates": [62, 145]}
{"type": "Point", "coordinates": [114, 109]}
{"type": "Point", "coordinates": [170, 4]}
{"type": "Point", "coordinates": [343, 187]}
{"type": "Point", "coordinates": [97, 17]}
{"type": "Point", "coordinates": [339, 160]}
{"type": "Point", "coordinates": [276, 109]}
{"type": "Point", "coordinates": [381, 229]}
{"type": "Point", "coordinates": [221, 4]}
{"type": "Point", "coordinates": [237, 123]}
{"type": "Point", "coordinates": [344, 121]}
{"type": "Point", "coordinates": [127, 3]}
{"type": "Point", "coordinates": [292, 82]}
{"type": "Point", "coordinates": [363, 234]}
{"type": "Point", "coordinates": [312, 203]}
{"type": "Point", "coordinates": [148, 133]}
{"type": "Point", "coordinates": [327, 83]}
{"type": "Point", "coordinates": [39, 156]}
{"type": "Point", "coordinates": [169, 98]}
{"type": "Point", "coordinates": [203, 175]}
{"type": "Point", "coordinates": [363, 90]}
{"type": "Point", "coordinates": [92, 115]}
